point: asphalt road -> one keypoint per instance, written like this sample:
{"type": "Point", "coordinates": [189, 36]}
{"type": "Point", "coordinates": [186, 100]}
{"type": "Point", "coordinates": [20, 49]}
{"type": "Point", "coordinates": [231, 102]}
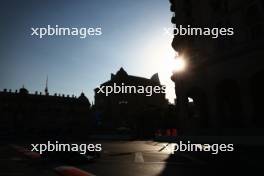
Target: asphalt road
{"type": "Point", "coordinates": [124, 158]}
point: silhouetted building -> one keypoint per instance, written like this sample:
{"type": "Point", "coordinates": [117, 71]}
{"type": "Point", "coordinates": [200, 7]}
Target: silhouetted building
{"type": "Point", "coordinates": [225, 75]}
{"type": "Point", "coordinates": [132, 110]}
{"type": "Point", "coordinates": [38, 114]}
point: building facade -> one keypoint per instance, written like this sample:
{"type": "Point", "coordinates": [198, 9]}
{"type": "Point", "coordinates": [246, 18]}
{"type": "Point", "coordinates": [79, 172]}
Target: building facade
{"type": "Point", "coordinates": [224, 76]}
{"type": "Point", "coordinates": [135, 111]}
{"type": "Point", "coordinates": [39, 114]}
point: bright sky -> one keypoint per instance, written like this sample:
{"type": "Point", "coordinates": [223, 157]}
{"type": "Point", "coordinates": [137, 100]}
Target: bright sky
{"type": "Point", "coordinates": [133, 38]}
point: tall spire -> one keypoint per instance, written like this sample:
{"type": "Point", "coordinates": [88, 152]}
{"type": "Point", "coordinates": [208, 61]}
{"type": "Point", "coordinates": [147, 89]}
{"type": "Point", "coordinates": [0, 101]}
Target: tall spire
{"type": "Point", "coordinates": [46, 88]}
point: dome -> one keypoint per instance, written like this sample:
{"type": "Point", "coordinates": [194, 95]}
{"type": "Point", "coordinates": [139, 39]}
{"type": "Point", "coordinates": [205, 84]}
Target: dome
{"type": "Point", "coordinates": [23, 90]}
{"type": "Point", "coordinates": [83, 98]}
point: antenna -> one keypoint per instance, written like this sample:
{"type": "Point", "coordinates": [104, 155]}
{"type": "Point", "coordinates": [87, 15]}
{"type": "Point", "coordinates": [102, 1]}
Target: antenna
{"type": "Point", "coordinates": [46, 88]}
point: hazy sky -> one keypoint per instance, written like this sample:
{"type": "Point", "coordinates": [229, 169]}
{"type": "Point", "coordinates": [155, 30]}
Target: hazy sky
{"type": "Point", "coordinates": [133, 38]}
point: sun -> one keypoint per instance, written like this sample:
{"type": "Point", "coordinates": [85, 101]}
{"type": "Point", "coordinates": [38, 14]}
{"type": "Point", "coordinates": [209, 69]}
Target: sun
{"type": "Point", "coordinates": [179, 64]}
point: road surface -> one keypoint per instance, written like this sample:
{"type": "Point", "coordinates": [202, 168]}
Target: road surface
{"type": "Point", "coordinates": [121, 158]}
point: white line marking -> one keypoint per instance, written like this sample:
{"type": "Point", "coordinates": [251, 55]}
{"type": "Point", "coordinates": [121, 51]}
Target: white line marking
{"type": "Point", "coordinates": [139, 157]}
